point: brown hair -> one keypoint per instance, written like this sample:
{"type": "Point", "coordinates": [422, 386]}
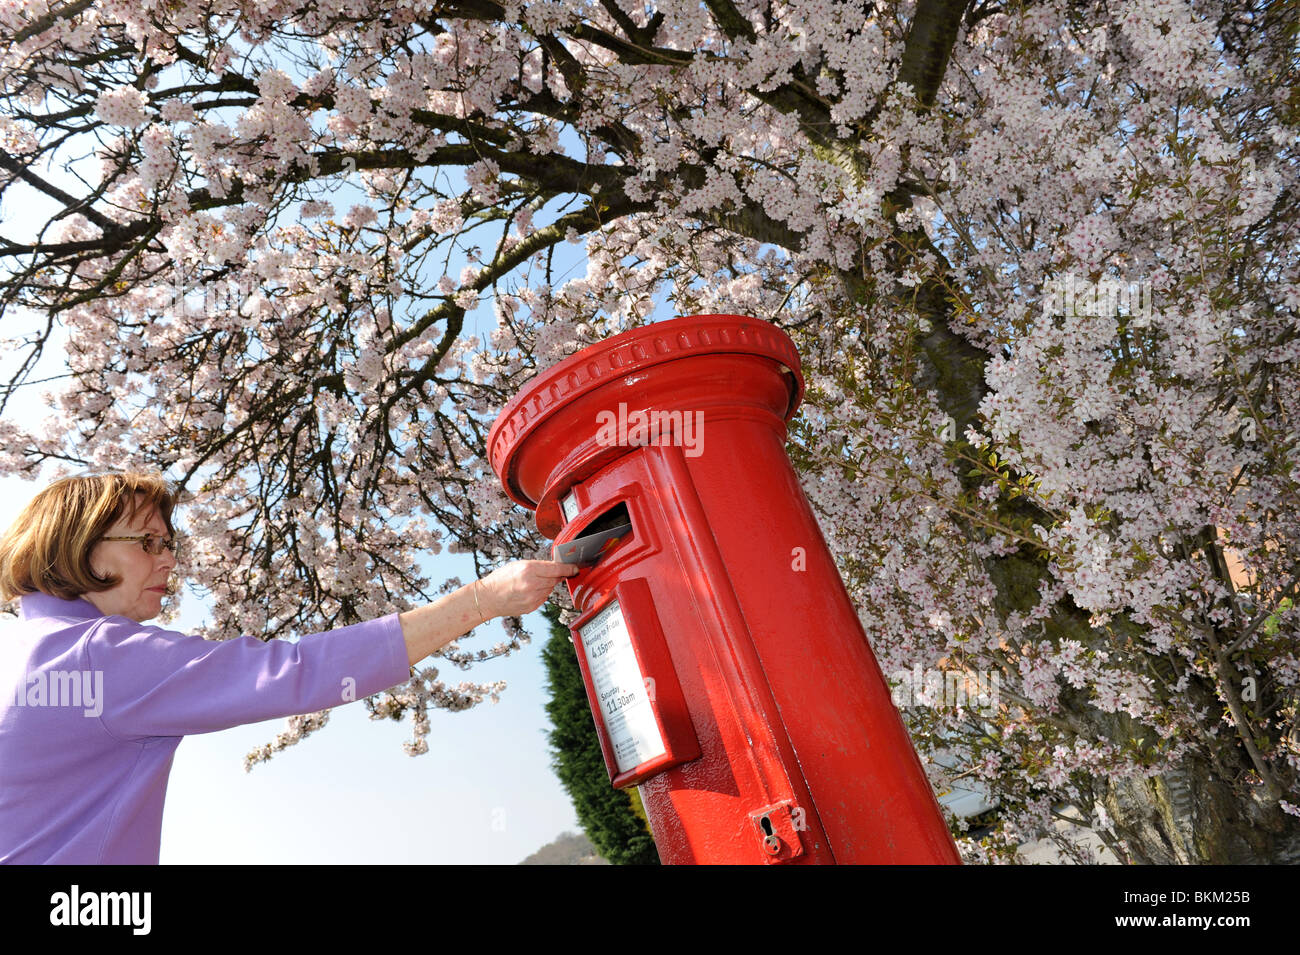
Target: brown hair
{"type": "Point", "coordinates": [47, 548]}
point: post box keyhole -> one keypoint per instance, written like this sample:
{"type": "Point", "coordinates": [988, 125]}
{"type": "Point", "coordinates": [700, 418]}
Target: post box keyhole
{"type": "Point", "coordinates": [771, 844]}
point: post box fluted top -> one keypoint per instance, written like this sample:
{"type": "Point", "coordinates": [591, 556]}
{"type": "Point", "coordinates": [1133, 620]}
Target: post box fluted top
{"type": "Point", "coordinates": [625, 354]}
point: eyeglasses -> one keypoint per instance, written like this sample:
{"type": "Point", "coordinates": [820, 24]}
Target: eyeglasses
{"type": "Point", "coordinates": [152, 544]}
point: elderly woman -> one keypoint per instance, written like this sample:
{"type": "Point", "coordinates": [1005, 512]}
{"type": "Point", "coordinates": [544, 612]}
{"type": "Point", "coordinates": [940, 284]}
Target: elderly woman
{"type": "Point", "coordinates": [93, 703]}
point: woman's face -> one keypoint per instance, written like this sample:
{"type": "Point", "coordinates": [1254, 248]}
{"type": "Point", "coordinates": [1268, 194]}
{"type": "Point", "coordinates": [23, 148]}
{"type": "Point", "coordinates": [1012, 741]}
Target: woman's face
{"type": "Point", "coordinates": [143, 576]}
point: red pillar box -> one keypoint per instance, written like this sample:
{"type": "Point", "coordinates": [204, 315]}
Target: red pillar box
{"type": "Point", "coordinates": [728, 674]}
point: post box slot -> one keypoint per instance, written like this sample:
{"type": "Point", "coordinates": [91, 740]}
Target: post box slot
{"type": "Point", "coordinates": [615, 517]}
{"type": "Point", "coordinates": [603, 533]}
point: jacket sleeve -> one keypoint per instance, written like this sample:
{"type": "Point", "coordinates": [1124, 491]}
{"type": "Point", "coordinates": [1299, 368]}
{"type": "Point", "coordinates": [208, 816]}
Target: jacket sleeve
{"type": "Point", "coordinates": [159, 682]}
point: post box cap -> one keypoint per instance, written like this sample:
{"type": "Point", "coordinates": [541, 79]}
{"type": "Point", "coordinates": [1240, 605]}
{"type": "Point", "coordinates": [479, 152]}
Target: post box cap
{"type": "Point", "coordinates": [626, 354]}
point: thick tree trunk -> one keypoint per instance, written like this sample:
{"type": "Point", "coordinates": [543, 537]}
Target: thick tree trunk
{"type": "Point", "coordinates": [1187, 816]}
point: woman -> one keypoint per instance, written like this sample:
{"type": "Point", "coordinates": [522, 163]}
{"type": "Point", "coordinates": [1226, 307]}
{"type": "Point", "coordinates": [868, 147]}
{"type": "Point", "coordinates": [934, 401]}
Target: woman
{"type": "Point", "coordinates": [94, 703]}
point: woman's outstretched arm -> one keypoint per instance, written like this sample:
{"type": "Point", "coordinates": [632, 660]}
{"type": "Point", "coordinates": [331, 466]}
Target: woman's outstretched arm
{"type": "Point", "coordinates": [517, 588]}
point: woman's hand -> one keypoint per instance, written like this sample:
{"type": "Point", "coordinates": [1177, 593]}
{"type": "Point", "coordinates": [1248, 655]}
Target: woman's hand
{"type": "Point", "coordinates": [520, 586]}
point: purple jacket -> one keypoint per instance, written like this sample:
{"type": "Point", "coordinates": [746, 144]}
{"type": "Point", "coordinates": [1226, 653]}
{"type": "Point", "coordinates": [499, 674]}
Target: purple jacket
{"type": "Point", "coordinates": [92, 709]}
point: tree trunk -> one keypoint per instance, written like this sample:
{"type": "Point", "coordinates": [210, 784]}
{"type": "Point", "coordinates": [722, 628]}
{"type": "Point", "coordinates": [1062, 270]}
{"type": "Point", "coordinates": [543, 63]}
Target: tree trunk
{"type": "Point", "coordinates": [1187, 816]}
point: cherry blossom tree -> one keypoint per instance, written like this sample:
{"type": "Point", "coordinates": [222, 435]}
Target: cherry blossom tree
{"type": "Point", "coordinates": [1039, 258]}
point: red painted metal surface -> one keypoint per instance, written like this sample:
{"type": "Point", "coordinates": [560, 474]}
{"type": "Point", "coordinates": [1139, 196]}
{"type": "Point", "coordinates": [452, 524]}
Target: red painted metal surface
{"type": "Point", "coordinates": [730, 596]}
